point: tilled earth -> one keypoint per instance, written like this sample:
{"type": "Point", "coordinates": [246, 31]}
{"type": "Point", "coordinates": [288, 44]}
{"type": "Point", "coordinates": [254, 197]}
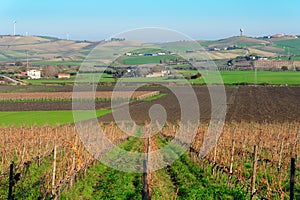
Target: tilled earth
{"type": "Point", "coordinates": [243, 104]}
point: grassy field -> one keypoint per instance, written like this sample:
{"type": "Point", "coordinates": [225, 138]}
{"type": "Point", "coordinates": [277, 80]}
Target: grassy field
{"type": "Point", "coordinates": [83, 78]}
{"type": "Point", "coordinates": [288, 77]}
{"type": "Point", "coordinates": [28, 118]}
{"type": "Point", "coordinates": [287, 58]}
{"type": "Point", "coordinates": [138, 60]}
{"type": "Point", "coordinates": [51, 80]}
{"type": "Point", "coordinates": [55, 63]}
{"type": "Point", "coordinates": [232, 77]}
{"type": "Point", "coordinates": [290, 46]}
{"type": "Point", "coordinates": [229, 77]}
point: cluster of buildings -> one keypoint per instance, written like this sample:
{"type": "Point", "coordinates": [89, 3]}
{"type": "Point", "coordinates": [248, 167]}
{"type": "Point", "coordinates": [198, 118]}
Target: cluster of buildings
{"type": "Point", "coordinates": [232, 47]}
{"type": "Point", "coordinates": [149, 54]}
{"type": "Point", "coordinates": [37, 74]}
{"type": "Point", "coordinates": [162, 73]}
{"type": "Point", "coordinates": [31, 74]}
{"type": "Point", "coordinates": [280, 36]}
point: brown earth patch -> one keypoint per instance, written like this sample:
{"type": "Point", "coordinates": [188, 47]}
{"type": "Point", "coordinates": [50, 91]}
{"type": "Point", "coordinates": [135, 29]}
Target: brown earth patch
{"type": "Point", "coordinates": [244, 104]}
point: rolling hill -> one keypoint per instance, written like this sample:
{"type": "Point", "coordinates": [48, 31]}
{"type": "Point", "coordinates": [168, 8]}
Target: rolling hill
{"type": "Point", "coordinates": [39, 48]}
{"type": "Point", "coordinates": [235, 41]}
{"type": "Point", "coordinates": [49, 50]}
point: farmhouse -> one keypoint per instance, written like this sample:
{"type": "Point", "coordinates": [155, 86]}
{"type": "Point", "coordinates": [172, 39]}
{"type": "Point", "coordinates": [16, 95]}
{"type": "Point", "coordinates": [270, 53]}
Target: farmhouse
{"type": "Point", "coordinates": [62, 75]}
{"type": "Point", "coordinates": [161, 73]}
{"type": "Point", "coordinates": [24, 73]}
{"type": "Point", "coordinates": [165, 72]}
{"type": "Point", "coordinates": [34, 74]}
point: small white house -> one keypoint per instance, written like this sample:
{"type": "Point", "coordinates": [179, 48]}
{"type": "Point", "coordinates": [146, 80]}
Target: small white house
{"type": "Point", "coordinates": [34, 74]}
{"type": "Point", "coordinates": [165, 72]}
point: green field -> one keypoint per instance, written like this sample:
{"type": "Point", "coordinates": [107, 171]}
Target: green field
{"type": "Point", "coordinates": [29, 118]}
{"type": "Point", "coordinates": [229, 77]}
{"type": "Point", "coordinates": [55, 63]}
{"type": "Point", "coordinates": [288, 77]}
{"type": "Point", "coordinates": [290, 46]}
{"type": "Point", "coordinates": [233, 77]}
{"type": "Point", "coordinates": [52, 80]}
{"type": "Point", "coordinates": [138, 60]}
{"type": "Point", "coordinates": [83, 78]}
{"type": "Point", "coordinates": [287, 58]}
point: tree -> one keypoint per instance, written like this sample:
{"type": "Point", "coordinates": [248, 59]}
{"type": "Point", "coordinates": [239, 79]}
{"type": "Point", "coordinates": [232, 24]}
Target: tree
{"type": "Point", "coordinates": [284, 68]}
{"type": "Point", "coordinates": [198, 75]}
{"type": "Point", "coordinates": [157, 68]}
{"type": "Point", "coordinates": [50, 71]}
{"type": "Point", "coordinates": [18, 63]}
{"type": "Point", "coordinates": [22, 69]}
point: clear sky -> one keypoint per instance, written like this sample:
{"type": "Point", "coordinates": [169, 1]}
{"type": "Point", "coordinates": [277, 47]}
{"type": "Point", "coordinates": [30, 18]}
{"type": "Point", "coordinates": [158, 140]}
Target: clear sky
{"type": "Point", "coordinates": [99, 19]}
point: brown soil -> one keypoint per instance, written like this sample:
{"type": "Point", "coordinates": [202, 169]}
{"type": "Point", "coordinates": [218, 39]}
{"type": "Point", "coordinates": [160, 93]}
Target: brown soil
{"type": "Point", "coordinates": [266, 104]}
{"type": "Point", "coordinates": [244, 104]}
{"type": "Point", "coordinates": [68, 95]}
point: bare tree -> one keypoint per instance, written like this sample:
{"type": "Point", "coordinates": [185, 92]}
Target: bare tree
{"type": "Point", "coordinates": [50, 71]}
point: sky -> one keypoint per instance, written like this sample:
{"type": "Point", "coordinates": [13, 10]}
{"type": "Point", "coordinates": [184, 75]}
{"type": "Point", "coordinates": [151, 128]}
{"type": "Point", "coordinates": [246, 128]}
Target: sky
{"type": "Point", "coordinates": [99, 19]}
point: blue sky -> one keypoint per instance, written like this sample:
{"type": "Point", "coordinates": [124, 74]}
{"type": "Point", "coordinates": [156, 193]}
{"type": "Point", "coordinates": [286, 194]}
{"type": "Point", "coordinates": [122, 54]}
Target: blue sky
{"type": "Point", "coordinates": [96, 19]}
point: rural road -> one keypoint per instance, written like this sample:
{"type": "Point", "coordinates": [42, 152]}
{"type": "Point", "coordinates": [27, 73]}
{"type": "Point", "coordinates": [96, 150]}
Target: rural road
{"type": "Point", "coordinates": [11, 80]}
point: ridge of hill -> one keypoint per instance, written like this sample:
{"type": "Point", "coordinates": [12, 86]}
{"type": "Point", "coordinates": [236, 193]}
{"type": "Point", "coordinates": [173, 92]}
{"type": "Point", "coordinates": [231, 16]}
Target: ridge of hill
{"type": "Point", "coordinates": [45, 49]}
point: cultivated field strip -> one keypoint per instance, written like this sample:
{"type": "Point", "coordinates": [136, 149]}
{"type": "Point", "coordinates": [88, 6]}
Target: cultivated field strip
{"type": "Point", "coordinates": [68, 95]}
{"type": "Point", "coordinates": [252, 104]}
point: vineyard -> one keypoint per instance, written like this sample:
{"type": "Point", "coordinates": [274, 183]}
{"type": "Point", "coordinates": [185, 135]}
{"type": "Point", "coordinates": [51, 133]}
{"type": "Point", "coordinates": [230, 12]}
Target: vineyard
{"type": "Point", "coordinates": [44, 159]}
{"type": "Point", "coordinates": [250, 160]}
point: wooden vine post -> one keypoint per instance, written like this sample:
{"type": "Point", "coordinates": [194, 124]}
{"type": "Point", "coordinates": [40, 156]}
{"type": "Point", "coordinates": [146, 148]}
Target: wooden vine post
{"type": "Point", "coordinates": [214, 159]}
{"type": "Point", "coordinates": [292, 178]}
{"type": "Point", "coordinates": [11, 181]}
{"type": "Point", "coordinates": [54, 166]}
{"type": "Point", "coordinates": [254, 168]}
{"type": "Point", "coordinates": [145, 192]}
{"type": "Point", "coordinates": [232, 156]}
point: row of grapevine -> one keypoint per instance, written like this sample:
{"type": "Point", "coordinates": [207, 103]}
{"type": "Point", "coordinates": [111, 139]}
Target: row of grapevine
{"type": "Point", "coordinates": [234, 155]}
{"type": "Point", "coordinates": [46, 159]}
{"type": "Point", "coordinates": [49, 159]}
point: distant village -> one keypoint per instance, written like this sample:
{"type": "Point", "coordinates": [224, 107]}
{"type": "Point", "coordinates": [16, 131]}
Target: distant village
{"type": "Point", "coordinates": [16, 73]}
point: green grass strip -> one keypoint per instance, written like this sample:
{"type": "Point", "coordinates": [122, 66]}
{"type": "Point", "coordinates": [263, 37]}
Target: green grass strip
{"type": "Point", "coordinates": [29, 118]}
